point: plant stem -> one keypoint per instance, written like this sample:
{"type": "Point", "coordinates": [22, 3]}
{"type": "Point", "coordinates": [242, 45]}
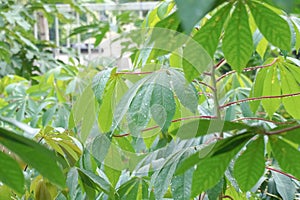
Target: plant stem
{"type": "Point", "coordinates": [248, 69]}
{"type": "Point", "coordinates": [175, 120]}
{"type": "Point", "coordinates": [281, 172]}
{"type": "Point", "coordinates": [258, 98]}
{"type": "Point", "coordinates": [215, 94]}
{"type": "Point", "coordinates": [282, 130]}
{"type": "Point", "coordinates": [263, 119]}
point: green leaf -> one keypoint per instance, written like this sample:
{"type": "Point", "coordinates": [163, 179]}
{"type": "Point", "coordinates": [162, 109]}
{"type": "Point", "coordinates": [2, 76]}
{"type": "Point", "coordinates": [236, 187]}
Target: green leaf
{"type": "Point", "coordinates": [190, 12]}
{"type": "Point", "coordinates": [237, 43]}
{"type": "Point", "coordinates": [224, 146]}
{"type": "Point", "coordinates": [11, 174]}
{"type": "Point", "coordinates": [100, 82]}
{"type": "Point", "coordinates": [288, 86]}
{"type": "Point", "coordinates": [135, 189]}
{"type": "Point", "coordinates": [279, 34]}
{"type": "Point", "coordinates": [185, 92]}
{"type": "Point", "coordinates": [139, 111]}
{"type": "Point", "coordinates": [209, 34]}
{"type": "Point", "coordinates": [162, 106]}
{"type": "Point", "coordinates": [250, 165]}
{"type": "Point", "coordinates": [84, 112]}
{"type": "Point", "coordinates": [286, 155]}
{"type": "Point", "coordinates": [271, 87]}
{"type": "Point", "coordinates": [112, 174]}
{"type": "Point", "coordinates": [181, 185]}
{"type": "Point", "coordinates": [163, 180]}
{"type": "Point", "coordinates": [36, 155]}
{"type": "Point", "coordinates": [99, 181]}
{"type": "Point", "coordinates": [217, 165]}
{"type": "Point", "coordinates": [105, 115]}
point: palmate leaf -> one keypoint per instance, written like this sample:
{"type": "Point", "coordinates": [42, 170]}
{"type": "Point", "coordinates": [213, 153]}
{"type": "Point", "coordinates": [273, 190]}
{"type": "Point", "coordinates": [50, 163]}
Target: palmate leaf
{"type": "Point", "coordinates": [286, 155]}
{"type": "Point", "coordinates": [36, 155]}
{"type": "Point", "coordinates": [221, 147]}
{"type": "Point", "coordinates": [154, 96]}
{"type": "Point", "coordinates": [237, 43]}
{"type": "Point", "coordinates": [11, 174]}
{"type": "Point", "coordinates": [250, 165]}
{"type": "Point", "coordinates": [274, 28]}
{"type": "Point", "coordinates": [222, 153]}
{"type": "Point", "coordinates": [209, 34]}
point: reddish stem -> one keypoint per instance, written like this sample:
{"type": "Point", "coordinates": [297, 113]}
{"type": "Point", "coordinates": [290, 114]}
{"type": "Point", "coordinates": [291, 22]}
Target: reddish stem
{"type": "Point", "coordinates": [259, 98]}
{"type": "Point", "coordinates": [261, 119]}
{"type": "Point", "coordinates": [134, 73]}
{"type": "Point", "coordinates": [282, 130]}
{"type": "Point", "coordinates": [283, 173]}
{"type": "Point", "coordinates": [220, 63]}
{"type": "Point", "coordinates": [248, 69]}
{"type": "Point", "coordinates": [175, 120]}
{"type": "Point", "coordinates": [227, 197]}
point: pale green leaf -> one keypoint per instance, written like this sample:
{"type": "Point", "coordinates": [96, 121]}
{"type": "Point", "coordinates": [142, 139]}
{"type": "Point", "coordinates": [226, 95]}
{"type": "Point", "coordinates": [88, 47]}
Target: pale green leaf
{"type": "Point", "coordinates": [271, 87]}
{"type": "Point", "coordinates": [238, 43]}
{"type": "Point", "coordinates": [289, 86]}
{"type": "Point", "coordinates": [99, 83]}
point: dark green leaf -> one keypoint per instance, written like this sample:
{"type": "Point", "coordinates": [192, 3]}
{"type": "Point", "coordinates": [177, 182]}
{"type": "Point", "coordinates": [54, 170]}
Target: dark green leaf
{"type": "Point", "coordinates": [192, 11]}
{"type": "Point", "coordinates": [250, 166]}
{"type": "Point", "coordinates": [11, 174]}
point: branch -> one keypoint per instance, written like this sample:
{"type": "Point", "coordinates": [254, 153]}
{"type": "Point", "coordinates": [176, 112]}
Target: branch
{"type": "Point", "coordinates": [259, 98]}
{"type": "Point", "coordinates": [205, 84]}
{"type": "Point", "coordinates": [134, 73]}
{"type": "Point", "coordinates": [175, 120]}
{"type": "Point", "coordinates": [248, 69]}
{"type": "Point", "coordinates": [283, 173]}
{"type": "Point", "coordinates": [282, 130]}
{"type": "Point", "coordinates": [220, 63]}
{"type": "Point", "coordinates": [262, 119]}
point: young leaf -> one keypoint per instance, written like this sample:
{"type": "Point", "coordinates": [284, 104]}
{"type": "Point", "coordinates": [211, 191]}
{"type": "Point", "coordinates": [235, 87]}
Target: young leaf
{"type": "Point", "coordinates": [286, 155]}
{"type": "Point", "coordinates": [36, 155]}
{"type": "Point", "coordinates": [209, 34]}
{"type": "Point", "coordinates": [11, 174]}
{"type": "Point", "coordinates": [275, 29]}
{"type": "Point", "coordinates": [237, 43]}
{"type": "Point", "coordinates": [250, 166]}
